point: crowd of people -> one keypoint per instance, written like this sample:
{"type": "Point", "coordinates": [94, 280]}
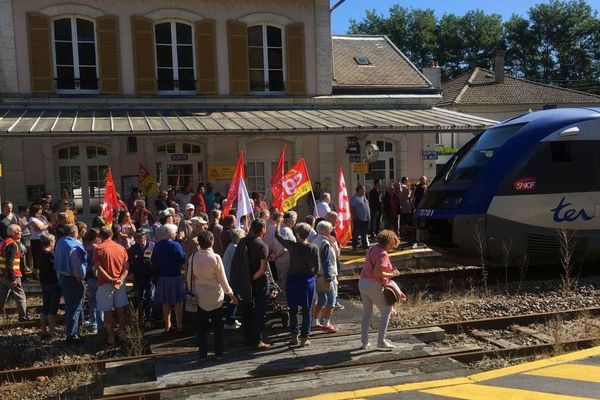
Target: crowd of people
{"type": "Point", "coordinates": [183, 250]}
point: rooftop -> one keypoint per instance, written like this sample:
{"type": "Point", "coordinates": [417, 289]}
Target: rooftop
{"type": "Point", "coordinates": [479, 87]}
{"type": "Point", "coordinates": [373, 63]}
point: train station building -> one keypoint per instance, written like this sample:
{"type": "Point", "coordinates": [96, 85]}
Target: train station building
{"type": "Point", "coordinates": [182, 87]}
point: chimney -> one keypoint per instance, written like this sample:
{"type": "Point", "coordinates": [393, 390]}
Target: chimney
{"type": "Point", "coordinates": [499, 66]}
{"type": "Point", "coordinates": [433, 73]}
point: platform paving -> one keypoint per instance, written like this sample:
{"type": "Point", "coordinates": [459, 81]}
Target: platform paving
{"type": "Point", "coordinates": [573, 376]}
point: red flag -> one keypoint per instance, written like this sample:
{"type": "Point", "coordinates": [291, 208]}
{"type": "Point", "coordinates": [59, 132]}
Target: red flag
{"type": "Point", "coordinates": [110, 200]}
{"type": "Point", "coordinates": [235, 184]}
{"type": "Point", "coordinates": [277, 181]}
{"type": "Point", "coordinates": [343, 228]}
{"type": "Point", "coordinates": [296, 183]}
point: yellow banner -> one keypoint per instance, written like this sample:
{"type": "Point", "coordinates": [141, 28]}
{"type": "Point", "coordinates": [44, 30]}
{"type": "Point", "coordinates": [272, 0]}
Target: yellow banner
{"type": "Point", "coordinates": [361, 168]}
{"type": "Point", "coordinates": [302, 190]}
{"type": "Point", "coordinates": [221, 172]}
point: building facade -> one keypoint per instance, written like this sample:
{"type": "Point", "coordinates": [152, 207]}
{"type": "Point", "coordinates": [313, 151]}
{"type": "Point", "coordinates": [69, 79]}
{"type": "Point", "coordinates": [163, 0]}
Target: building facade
{"type": "Point", "coordinates": [181, 87]}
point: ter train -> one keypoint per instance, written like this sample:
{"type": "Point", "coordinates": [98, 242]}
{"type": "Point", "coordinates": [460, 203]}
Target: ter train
{"type": "Point", "coordinates": [520, 182]}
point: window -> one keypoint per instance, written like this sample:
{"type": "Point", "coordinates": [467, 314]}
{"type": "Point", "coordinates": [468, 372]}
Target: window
{"type": "Point", "coordinates": [191, 148]}
{"type": "Point", "coordinates": [75, 54]}
{"type": "Point", "coordinates": [255, 176]}
{"type": "Point", "coordinates": [95, 151]}
{"type": "Point", "coordinates": [96, 183]}
{"type": "Point", "coordinates": [175, 57]}
{"type": "Point", "coordinates": [131, 144]}
{"type": "Point", "coordinates": [178, 175]}
{"type": "Point", "coordinates": [70, 179]}
{"type": "Point", "coordinates": [68, 153]}
{"type": "Point", "coordinates": [171, 148]}
{"type": "Point", "coordinates": [266, 55]}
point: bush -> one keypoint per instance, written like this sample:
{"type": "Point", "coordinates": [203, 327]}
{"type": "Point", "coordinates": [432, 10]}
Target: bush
{"type": "Point", "coordinates": [445, 151]}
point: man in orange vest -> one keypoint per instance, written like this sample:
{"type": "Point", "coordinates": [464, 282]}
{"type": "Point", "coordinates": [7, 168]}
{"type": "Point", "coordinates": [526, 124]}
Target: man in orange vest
{"type": "Point", "coordinates": [10, 272]}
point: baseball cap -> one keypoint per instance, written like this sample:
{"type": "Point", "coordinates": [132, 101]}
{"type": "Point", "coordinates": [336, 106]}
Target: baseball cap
{"type": "Point", "coordinates": [198, 221]}
{"type": "Point", "coordinates": [164, 213]}
{"type": "Point", "coordinates": [189, 206]}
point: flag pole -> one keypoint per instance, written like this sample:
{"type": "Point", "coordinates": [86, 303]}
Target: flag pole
{"type": "Point", "coordinates": [312, 192]}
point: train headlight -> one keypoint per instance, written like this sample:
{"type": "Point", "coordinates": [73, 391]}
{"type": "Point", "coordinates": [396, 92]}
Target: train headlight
{"type": "Point", "coordinates": [452, 202]}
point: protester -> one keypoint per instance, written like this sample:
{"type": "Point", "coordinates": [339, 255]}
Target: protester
{"type": "Point", "coordinates": [216, 229]}
{"type": "Point", "coordinates": [405, 203]}
{"type": "Point", "coordinates": [26, 235]}
{"type": "Point", "coordinates": [64, 198]}
{"type": "Point", "coordinates": [111, 262]}
{"type": "Point", "coordinates": [190, 245]}
{"type": "Point", "coordinates": [95, 316]}
{"type": "Point", "coordinates": [143, 274]}
{"type": "Point", "coordinates": [206, 278]}
{"type": "Point", "coordinates": [70, 263]}
{"type": "Point", "coordinates": [38, 224]}
{"type": "Point", "coordinates": [420, 191]}
{"type": "Point", "coordinates": [133, 198]}
{"type": "Point", "coordinates": [249, 282]}
{"type": "Point", "coordinates": [361, 215]}
{"type": "Point", "coordinates": [168, 257]}
{"type": "Point", "coordinates": [300, 284]}
{"type": "Point", "coordinates": [10, 272]}
{"type": "Point", "coordinates": [377, 271]}
{"type": "Point", "coordinates": [283, 261]}
{"type": "Point", "coordinates": [328, 253]}
{"type": "Point", "coordinates": [311, 221]}
{"type": "Point", "coordinates": [50, 289]}
{"type": "Point", "coordinates": [322, 207]}
{"type": "Point", "coordinates": [185, 195]}
{"type": "Point", "coordinates": [161, 200]}
{"type": "Point", "coordinates": [198, 199]}
{"type": "Point", "coordinates": [228, 225]}
{"type": "Point", "coordinates": [375, 207]}
{"type": "Point", "coordinates": [236, 235]}
{"type": "Point", "coordinates": [390, 207]}
{"type": "Point", "coordinates": [209, 197]}
{"type": "Point", "coordinates": [7, 218]}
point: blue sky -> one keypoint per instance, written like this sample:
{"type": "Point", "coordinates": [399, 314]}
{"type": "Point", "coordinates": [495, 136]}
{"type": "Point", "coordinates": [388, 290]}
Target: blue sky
{"type": "Point", "coordinates": [356, 8]}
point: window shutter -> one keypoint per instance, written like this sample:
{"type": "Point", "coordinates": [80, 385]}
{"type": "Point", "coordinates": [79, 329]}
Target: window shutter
{"type": "Point", "coordinates": [143, 55]}
{"type": "Point", "coordinates": [295, 63]}
{"type": "Point", "coordinates": [239, 70]}
{"type": "Point", "coordinates": [40, 54]}
{"type": "Point", "coordinates": [109, 60]}
{"type": "Point", "coordinates": [206, 57]}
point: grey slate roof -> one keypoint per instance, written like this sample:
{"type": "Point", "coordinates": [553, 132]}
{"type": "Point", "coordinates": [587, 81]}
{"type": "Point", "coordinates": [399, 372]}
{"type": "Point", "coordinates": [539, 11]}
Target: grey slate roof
{"type": "Point", "coordinates": [389, 67]}
{"type": "Point", "coordinates": [478, 87]}
{"type": "Point", "coordinates": [48, 122]}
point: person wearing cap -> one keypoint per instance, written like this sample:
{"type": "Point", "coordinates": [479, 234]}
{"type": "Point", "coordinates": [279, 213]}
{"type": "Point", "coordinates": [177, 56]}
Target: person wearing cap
{"type": "Point", "coordinates": [190, 244]}
{"type": "Point", "coordinates": [185, 225]}
{"type": "Point", "coordinates": [143, 273]}
{"type": "Point", "coordinates": [164, 217]}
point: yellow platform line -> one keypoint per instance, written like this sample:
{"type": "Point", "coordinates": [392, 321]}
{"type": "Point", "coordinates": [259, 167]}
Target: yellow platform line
{"type": "Point", "coordinates": [577, 372]}
{"type": "Point", "coordinates": [394, 254]}
{"type": "Point", "coordinates": [462, 381]}
{"type": "Point", "coordinates": [483, 392]}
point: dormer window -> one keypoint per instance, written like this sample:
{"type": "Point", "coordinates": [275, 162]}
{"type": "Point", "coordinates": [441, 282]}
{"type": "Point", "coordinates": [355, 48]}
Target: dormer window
{"type": "Point", "coordinates": [266, 59]}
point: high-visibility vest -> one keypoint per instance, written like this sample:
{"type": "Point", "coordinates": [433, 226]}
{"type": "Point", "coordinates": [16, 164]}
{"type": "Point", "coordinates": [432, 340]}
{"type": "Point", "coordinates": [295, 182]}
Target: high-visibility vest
{"type": "Point", "coordinates": [16, 265]}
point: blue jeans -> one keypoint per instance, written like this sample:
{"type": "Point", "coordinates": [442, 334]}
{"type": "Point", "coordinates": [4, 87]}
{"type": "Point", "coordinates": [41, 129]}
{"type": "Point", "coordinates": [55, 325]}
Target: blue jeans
{"type": "Point", "coordinates": [254, 315]}
{"type": "Point", "coordinates": [73, 291]}
{"type": "Point", "coordinates": [144, 294]}
{"type": "Point", "coordinates": [305, 327]}
{"type": "Point", "coordinates": [96, 316]}
{"type": "Point", "coordinates": [375, 225]}
{"type": "Point", "coordinates": [359, 228]}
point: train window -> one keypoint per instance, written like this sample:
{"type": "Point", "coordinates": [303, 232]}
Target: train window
{"type": "Point", "coordinates": [561, 152]}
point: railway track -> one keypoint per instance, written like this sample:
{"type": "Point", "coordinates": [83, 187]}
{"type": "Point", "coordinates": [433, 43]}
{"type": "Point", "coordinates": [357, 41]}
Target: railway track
{"type": "Point", "coordinates": [450, 328]}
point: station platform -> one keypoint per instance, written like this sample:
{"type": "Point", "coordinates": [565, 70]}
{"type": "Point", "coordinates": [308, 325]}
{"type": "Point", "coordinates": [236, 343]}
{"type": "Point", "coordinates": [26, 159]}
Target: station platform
{"type": "Point", "coordinates": [573, 376]}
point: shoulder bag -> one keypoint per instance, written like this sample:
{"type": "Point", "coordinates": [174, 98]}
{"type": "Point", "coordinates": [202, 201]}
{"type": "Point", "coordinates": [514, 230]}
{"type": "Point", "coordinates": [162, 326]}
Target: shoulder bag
{"type": "Point", "coordinates": [191, 302]}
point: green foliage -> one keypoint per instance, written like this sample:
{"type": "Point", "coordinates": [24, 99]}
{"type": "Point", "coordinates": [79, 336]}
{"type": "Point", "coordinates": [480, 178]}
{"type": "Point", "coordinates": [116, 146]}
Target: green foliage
{"type": "Point", "coordinates": [558, 42]}
{"type": "Point", "coordinates": [446, 151]}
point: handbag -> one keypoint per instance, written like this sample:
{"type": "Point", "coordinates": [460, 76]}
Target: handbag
{"type": "Point", "coordinates": [191, 302]}
{"type": "Point", "coordinates": [392, 293]}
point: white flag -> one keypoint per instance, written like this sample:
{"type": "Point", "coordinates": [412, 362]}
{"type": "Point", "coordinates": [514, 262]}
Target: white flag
{"type": "Point", "coordinates": [244, 207]}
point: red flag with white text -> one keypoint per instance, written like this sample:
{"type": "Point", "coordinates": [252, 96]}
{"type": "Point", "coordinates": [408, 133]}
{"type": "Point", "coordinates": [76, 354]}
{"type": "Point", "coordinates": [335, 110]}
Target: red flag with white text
{"type": "Point", "coordinates": [232, 194]}
{"type": "Point", "coordinates": [110, 202]}
{"type": "Point", "coordinates": [343, 229]}
{"type": "Point", "coordinates": [277, 181]}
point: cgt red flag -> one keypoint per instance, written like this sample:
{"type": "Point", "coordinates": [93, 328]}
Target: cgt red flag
{"type": "Point", "coordinates": [232, 194]}
{"type": "Point", "coordinates": [110, 202]}
{"type": "Point", "coordinates": [343, 228]}
{"type": "Point", "coordinates": [277, 181]}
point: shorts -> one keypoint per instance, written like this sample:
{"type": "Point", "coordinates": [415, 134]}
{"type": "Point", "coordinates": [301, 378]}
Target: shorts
{"type": "Point", "coordinates": [50, 299]}
{"type": "Point", "coordinates": [327, 298]}
{"type": "Point", "coordinates": [108, 298]}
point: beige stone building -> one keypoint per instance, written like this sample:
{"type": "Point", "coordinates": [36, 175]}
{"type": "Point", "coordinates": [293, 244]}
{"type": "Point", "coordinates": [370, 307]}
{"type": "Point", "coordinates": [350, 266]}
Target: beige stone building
{"type": "Point", "coordinates": [181, 87]}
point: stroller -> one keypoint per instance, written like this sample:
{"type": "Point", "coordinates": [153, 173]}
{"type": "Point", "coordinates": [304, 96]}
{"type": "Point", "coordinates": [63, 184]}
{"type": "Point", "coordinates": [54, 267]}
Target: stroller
{"type": "Point", "coordinates": [278, 310]}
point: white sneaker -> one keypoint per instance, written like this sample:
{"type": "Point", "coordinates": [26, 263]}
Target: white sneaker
{"type": "Point", "coordinates": [386, 345]}
{"type": "Point", "coordinates": [365, 346]}
{"type": "Point", "coordinates": [86, 325]}
{"type": "Point", "coordinates": [233, 326]}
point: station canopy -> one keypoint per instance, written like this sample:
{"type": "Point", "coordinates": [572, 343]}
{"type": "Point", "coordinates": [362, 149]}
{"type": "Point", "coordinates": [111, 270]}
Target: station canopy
{"type": "Point", "coordinates": [55, 122]}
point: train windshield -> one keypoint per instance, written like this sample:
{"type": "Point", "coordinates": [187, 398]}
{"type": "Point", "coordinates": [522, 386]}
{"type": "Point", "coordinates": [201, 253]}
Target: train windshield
{"type": "Point", "coordinates": [469, 163]}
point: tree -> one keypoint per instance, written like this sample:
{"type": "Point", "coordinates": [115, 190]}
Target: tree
{"type": "Point", "coordinates": [482, 36]}
{"type": "Point", "coordinates": [450, 50]}
{"type": "Point", "coordinates": [522, 52]}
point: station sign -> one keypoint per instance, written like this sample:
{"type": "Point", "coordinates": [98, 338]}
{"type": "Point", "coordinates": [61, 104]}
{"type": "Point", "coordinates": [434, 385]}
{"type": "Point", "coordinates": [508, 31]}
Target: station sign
{"type": "Point", "coordinates": [179, 157]}
{"type": "Point", "coordinates": [221, 172]}
{"type": "Point", "coordinates": [430, 155]}
{"type": "Point", "coordinates": [353, 145]}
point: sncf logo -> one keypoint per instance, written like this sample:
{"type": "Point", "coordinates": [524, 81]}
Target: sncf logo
{"type": "Point", "coordinates": [525, 184]}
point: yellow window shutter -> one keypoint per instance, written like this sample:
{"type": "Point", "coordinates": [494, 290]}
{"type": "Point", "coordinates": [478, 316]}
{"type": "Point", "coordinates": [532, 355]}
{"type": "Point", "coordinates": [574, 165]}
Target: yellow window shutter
{"type": "Point", "coordinates": [109, 60]}
{"type": "Point", "coordinates": [206, 57]}
{"type": "Point", "coordinates": [295, 62]}
{"type": "Point", "coordinates": [239, 70]}
{"type": "Point", "coordinates": [143, 55]}
{"type": "Point", "coordinates": [41, 71]}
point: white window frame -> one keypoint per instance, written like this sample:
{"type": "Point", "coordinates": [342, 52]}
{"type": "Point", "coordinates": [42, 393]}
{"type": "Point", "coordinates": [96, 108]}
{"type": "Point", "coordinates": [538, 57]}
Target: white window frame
{"type": "Point", "coordinates": [173, 45]}
{"type": "Point", "coordinates": [265, 49]}
{"type": "Point", "coordinates": [75, 49]}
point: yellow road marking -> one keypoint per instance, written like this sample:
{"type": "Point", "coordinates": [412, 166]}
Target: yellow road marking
{"type": "Point", "coordinates": [394, 254]}
{"type": "Point", "coordinates": [374, 391]}
{"type": "Point", "coordinates": [409, 387]}
{"type": "Point", "coordinates": [578, 372]}
{"type": "Point", "coordinates": [483, 392]}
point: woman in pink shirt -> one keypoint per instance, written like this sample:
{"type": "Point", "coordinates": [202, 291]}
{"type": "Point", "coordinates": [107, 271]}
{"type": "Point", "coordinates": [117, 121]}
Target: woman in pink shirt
{"type": "Point", "coordinates": [206, 278]}
{"type": "Point", "coordinates": [377, 271]}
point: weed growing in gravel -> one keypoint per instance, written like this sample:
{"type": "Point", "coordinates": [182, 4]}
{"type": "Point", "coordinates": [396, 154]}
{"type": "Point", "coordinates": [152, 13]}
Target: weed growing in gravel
{"type": "Point", "coordinates": [481, 247]}
{"type": "Point", "coordinates": [567, 246]}
{"type": "Point", "coordinates": [557, 331]}
{"type": "Point", "coordinates": [506, 258]}
{"type": "Point", "coordinates": [133, 341]}
{"type": "Point", "coordinates": [523, 267]}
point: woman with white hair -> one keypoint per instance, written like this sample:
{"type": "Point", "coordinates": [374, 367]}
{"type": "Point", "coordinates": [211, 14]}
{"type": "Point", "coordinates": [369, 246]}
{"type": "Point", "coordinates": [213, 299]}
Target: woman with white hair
{"type": "Point", "coordinates": [167, 257]}
{"type": "Point", "coordinates": [328, 255]}
{"type": "Point", "coordinates": [283, 261]}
